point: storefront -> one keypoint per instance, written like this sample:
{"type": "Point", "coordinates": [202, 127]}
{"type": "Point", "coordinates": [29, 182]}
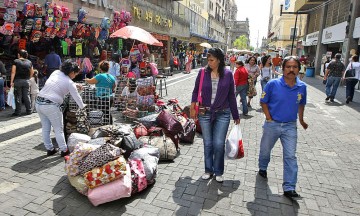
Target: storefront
{"type": "Point", "coordinates": [356, 34]}
{"type": "Point", "coordinates": [333, 37]}
{"type": "Point", "coordinates": [310, 43]}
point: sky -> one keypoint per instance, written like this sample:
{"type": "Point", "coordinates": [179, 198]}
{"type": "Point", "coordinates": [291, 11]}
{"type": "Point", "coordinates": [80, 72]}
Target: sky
{"type": "Point", "coordinates": [258, 13]}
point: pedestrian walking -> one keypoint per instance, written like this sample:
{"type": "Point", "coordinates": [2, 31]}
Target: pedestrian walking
{"type": "Point", "coordinates": [21, 72]}
{"type": "Point", "coordinates": [52, 62]}
{"type": "Point", "coordinates": [34, 89]}
{"type": "Point", "coordinates": [2, 84]}
{"type": "Point", "coordinates": [352, 81]}
{"type": "Point", "coordinates": [218, 101]}
{"type": "Point", "coordinates": [49, 101]}
{"type": "Point", "coordinates": [302, 70]}
{"type": "Point", "coordinates": [276, 62]}
{"type": "Point", "coordinates": [281, 101]}
{"type": "Point", "coordinates": [266, 71]}
{"type": "Point", "coordinates": [114, 66]}
{"type": "Point", "coordinates": [334, 73]}
{"type": "Point", "coordinates": [254, 71]}
{"type": "Point", "coordinates": [241, 83]}
{"type": "Point", "coordinates": [188, 62]}
{"type": "Point", "coordinates": [232, 62]}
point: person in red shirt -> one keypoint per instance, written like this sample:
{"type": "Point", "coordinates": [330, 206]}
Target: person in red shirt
{"type": "Point", "coordinates": [241, 83]}
{"type": "Point", "coordinates": [232, 62]}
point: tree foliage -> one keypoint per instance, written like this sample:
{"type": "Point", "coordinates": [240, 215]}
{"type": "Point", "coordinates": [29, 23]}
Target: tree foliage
{"type": "Point", "coordinates": [241, 42]}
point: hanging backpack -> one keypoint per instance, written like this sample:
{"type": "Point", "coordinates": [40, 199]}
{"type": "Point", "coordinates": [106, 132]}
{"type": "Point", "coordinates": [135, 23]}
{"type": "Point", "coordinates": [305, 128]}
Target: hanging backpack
{"type": "Point", "coordinates": [10, 15]}
{"type": "Point", "coordinates": [49, 21]}
{"type": "Point", "coordinates": [49, 7]}
{"type": "Point", "coordinates": [11, 3]}
{"type": "Point", "coordinates": [82, 15]}
{"type": "Point", "coordinates": [105, 23]}
{"type": "Point", "coordinates": [61, 33]}
{"type": "Point", "coordinates": [29, 9]}
{"type": "Point", "coordinates": [127, 17]}
{"type": "Point", "coordinates": [48, 32]}
{"type": "Point", "coordinates": [104, 34]}
{"type": "Point", "coordinates": [57, 23]}
{"type": "Point", "coordinates": [29, 23]}
{"type": "Point", "coordinates": [65, 24]}
{"type": "Point", "coordinates": [7, 28]}
{"type": "Point", "coordinates": [37, 23]}
{"type": "Point", "coordinates": [78, 30]}
{"type": "Point", "coordinates": [117, 17]}
{"type": "Point", "coordinates": [17, 27]}
{"type": "Point", "coordinates": [38, 10]}
{"type": "Point", "coordinates": [35, 36]}
{"type": "Point", "coordinates": [65, 12]}
{"type": "Point", "coordinates": [57, 11]}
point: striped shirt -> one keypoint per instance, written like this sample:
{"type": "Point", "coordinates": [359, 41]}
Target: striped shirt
{"type": "Point", "coordinates": [214, 83]}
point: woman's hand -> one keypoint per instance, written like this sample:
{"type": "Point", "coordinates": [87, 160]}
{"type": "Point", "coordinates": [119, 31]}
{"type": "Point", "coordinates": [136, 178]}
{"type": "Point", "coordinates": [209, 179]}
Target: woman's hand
{"type": "Point", "coordinates": [193, 113]}
{"type": "Point", "coordinates": [237, 121]}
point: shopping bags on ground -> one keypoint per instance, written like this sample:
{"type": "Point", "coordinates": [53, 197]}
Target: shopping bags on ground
{"type": "Point", "coordinates": [11, 98]}
{"type": "Point", "coordinates": [234, 148]}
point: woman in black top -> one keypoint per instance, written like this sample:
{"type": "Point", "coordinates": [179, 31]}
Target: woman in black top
{"type": "Point", "coordinates": [21, 72]}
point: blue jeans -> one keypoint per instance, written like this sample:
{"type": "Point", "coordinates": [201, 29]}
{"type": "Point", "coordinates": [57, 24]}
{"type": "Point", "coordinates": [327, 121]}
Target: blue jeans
{"type": "Point", "coordinates": [350, 87]}
{"type": "Point", "coordinates": [214, 135]}
{"type": "Point", "coordinates": [287, 132]}
{"type": "Point", "coordinates": [263, 83]}
{"type": "Point", "coordinates": [333, 82]}
{"type": "Point", "coordinates": [2, 96]}
{"type": "Point", "coordinates": [277, 70]}
{"type": "Point", "coordinates": [51, 115]}
{"type": "Point", "coordinates": [242, 91]}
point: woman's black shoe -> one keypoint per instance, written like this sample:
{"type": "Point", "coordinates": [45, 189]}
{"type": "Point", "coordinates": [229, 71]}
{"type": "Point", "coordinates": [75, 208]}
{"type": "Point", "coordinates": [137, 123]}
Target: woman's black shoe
{"type": "Point", "coordinates": [15, 114]}
{"type": "Point", "coordinates": [52, 152]}
{"type": "Point", "coordinates": [63, 154]}
{"type": "Point", "coordinates": [263, 174]}
{"type": "Point", "coordinates": [348, 100]}
{"type": "Point", "coordinates": [291, 194]}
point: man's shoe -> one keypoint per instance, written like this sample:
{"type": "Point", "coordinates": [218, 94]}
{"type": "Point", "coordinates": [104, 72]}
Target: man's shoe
{"type": "Point", "coordinates": [263, 174]}
{"type": "Point", "coordinates": [219, 179]}
{"type": "Point", "coordinates": [332, 100]}
{"type": "Point", "coordinates": [15, 114]}
{"type": "Point", "coordinates": [206, 176]}
{"type": "Point", "coordinates": [52, 152]}
{"type": "Point", "coordinates": [291, 194]}
{"type": "Point", "coordinates": [63, 154]}
{"type": "Point", "coordinates": [348, 100]}
{"type": "Point", "coordinates": [327, 98]}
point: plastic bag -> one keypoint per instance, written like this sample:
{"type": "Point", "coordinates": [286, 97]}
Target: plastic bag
{"type": "Point", "coordinates": [11, 98]}
{"type": "Point", "coordinates": [234, 145]}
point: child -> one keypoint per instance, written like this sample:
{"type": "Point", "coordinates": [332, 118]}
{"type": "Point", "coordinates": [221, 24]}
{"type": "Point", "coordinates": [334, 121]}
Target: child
{"type": "Point", "coordinates": [302, 70]}
{"type": "Point", "coordinates": [34, 89]}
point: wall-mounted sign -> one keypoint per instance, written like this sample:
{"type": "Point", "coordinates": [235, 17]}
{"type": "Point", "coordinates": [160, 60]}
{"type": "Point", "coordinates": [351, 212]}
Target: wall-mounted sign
{"type": "Point", "coordinates": [357, 28]}
{"type": "Point", "coordinates": [152, 17]}
{"type": "Point", "coordinates": [287, 4]}
{"type": "Point", "coordinates": [334, 34]}
{"type": "Point", "coordinates": [311, 39]}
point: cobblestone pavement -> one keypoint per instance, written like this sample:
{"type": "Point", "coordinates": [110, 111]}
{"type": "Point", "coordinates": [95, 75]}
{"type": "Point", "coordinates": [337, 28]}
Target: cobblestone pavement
{"type": "Point", "coordinates": [328, 156]}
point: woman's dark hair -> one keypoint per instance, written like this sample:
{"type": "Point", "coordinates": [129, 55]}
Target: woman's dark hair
{"type": "Point", "coordinates": [104, 66]}
{"type": "Point", "coordinates": [239, 63]}
{"type": "Point", "coordinates": [286, 59]}
{"type": "Point", "coordinates": [355, 58]}
{"type": "Point", "coordinates": [69, 66]}
{"type": "Point", "coordinates": [264, 60]}
{"type": "Point", "coordinates": [219, 54]}
{"type": "Point", "coordinates": [115, 58]}
{"type": "Point", "coordinates": [248, 61]}
{"type": "Point", "coordinates": [23, 53]}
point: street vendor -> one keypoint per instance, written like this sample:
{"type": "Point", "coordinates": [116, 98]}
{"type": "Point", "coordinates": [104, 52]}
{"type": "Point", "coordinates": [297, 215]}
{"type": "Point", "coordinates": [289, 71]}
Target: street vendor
{"type": "Point", "coordinates": [104, 82]}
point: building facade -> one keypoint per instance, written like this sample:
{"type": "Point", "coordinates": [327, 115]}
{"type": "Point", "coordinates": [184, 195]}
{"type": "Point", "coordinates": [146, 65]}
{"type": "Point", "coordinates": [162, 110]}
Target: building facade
{"type": "Point", "coordinates": [238, 28]}
{"type": "Point", "coordinates": [334, 28]}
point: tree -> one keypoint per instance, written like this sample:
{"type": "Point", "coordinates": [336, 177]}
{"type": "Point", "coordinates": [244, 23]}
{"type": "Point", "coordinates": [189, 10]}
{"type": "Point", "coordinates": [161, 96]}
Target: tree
{"type": "Point", "coordinates": [241, 42]}
{"type": "Point", "coordinates": [252, 48]}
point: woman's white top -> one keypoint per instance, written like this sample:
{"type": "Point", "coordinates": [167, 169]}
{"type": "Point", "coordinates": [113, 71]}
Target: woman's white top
{"type": "Point", "coordinates": [57, 86]}
{"type": "Point", "coordinates": [34, 88]}
{"type": "Point", "coordinates": [252, 69]}
{"type": "Point", "coordinates": [356, 66]}
{"type": "Point", "coordinates": [266, 72]}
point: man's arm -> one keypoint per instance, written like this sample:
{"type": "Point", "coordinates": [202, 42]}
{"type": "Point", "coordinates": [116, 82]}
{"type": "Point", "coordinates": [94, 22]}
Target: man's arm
{"type": "Point", "coordinates": [265, 109]}
{"type": "Point", "coordinates": [301, 116]}
{"type": "Point", "coordinates": [13, 72]}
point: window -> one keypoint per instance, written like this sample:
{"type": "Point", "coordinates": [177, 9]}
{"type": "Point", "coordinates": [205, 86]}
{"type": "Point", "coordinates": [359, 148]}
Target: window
{"type": "Point", "coordinates": [292, 33]}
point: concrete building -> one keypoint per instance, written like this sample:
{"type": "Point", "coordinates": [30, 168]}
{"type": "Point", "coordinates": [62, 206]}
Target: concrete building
{"type": "Point", "coordinates": [334, 28]}
{"type": "Point", "coordinates": [216, 9]}
{"type": "Point", "coordinates": [282, 28]}
{"type": "Point", "coordinates": [239, 28]}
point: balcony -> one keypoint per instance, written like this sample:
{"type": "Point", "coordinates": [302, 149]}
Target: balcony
{"type": "Point", "coordinates": [307, 4]}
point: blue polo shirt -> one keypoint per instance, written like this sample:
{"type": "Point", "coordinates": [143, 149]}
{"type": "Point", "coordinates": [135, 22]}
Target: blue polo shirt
{"type": "Point", "coordinates": [283, 101]}
{"type": "Point", "coordinates": [53, 61]}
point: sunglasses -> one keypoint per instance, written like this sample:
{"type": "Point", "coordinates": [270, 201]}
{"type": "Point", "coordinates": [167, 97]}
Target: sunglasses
{"type": "Point", "coordinates": [291, 57]}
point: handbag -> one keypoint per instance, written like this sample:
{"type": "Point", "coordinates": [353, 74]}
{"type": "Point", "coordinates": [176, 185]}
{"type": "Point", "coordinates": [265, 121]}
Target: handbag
{"type": "Point", "coordinates": [165, 145]}
{"type": "Point", "coordinates": [350, 73]}
{"type": "Point", "coordinates": [130, 143]}
{"type": "Point", "coordinates": [189, 132]}
{"type": "Point", "coordinates": [169, 122]}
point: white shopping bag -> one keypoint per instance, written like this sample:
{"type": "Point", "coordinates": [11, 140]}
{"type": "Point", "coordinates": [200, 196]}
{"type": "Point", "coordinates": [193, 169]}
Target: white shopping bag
{"type": "Point", "coordinates": [233, 143]}
{"type": "Point", "coordinates": [11, 98]}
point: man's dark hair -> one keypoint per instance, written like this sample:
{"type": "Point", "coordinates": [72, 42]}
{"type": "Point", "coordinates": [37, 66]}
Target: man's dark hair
{"type": "Point", "coordinates": [286, 59]}
{"type": "Point", "coordinates": [338, 56]}
{"type": "Point", "coordinates": [69, 66]}
{"type": "Point", "coordinates": [239, 63]}
{"type": "Point", "coordinates": [104, 66]}
{"type": "Point", "coordinates": [355, 58]}
{"type": "Point", "coordinates": [23, 53]}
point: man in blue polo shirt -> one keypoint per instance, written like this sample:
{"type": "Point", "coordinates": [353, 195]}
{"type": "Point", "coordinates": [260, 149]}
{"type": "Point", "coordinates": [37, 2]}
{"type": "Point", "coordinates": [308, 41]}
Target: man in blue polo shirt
{"type": "Point", "coordinates": [282, 100]}
{"type": "Point", "coordinates": [52, 62]}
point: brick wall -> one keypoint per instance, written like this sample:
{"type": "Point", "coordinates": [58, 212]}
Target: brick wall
{"type": "Point", "coordinates": [338, 12]}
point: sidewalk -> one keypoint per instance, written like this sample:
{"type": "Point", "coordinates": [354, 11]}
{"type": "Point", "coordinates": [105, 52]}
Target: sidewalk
{"type": "Point", "coordinates": [328, 158]}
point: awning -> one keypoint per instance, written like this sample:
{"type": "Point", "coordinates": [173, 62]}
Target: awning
{"type": "Point", "coordinates": [210, 40]}
{"type": "Point", "coordinates": [161, 37]}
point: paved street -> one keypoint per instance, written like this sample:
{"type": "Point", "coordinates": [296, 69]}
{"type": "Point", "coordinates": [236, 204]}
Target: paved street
{"type": "Point", "coordinates": [328, 156]}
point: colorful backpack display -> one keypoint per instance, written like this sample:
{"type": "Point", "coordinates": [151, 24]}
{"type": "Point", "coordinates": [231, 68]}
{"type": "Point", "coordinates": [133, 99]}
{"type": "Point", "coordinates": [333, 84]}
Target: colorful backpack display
{"type": "Point", "coordinates": [117, 17]}
{"type": "Point", "coordinates": [105, 23]}
{"type": "Point", "coordinates": [29, 9]}
{"type": "Point", "coordinates": [38, 10]}
{"type": "Point", "coordinates": [37, 23]}
{"type": "Point", "coordinates": [104, 34]}
{"type": "Point", "coordinates": [65, 12]}
{"type": "Point", "coordinates": [9, 16]}
{"type": "Point", "coordinates": [78, 30]}
{"type": "Point", "coordinates": [11, 3]}
{"type": "Point", "coordinates": [29, 23]}
{"type": "Point", "coordinates": [61, 33]}
{"type": "Point", "coordinates": [57, 23]}
{"type": "Point", "coordinates": [49, 21]}
{"type": "Point", "coordinates": [65, 24]}
{"type": "Point", "coordinates": [82, 15]}
{"type": "Point", "coordinates": [17, 27]}
{"type": "Point", "coordinates": [58, 11]}
{"type": "Point", "coordinates": [35, 36]}
{"type": "Point", "coordinates": [7, 28]}
{"type": "Point", "coordinates": [125, 16]}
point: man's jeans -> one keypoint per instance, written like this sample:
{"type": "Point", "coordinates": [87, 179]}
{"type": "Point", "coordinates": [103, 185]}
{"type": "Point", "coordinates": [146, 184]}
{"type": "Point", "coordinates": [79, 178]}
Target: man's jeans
{"type": "Point", "coordinates": [350, 87]}
{"type": "Point", "coordinates": [242, 91]}
{"type": "Point", "coordinates": [22, 92]}
{"type": "Point", "coordinates": [287, 132]}
{"type": "Point", "coordinates": [263, 83]}
{"type": "Point", "coordinates": [277, 70]}
{"type": "Point", "coordinates": [334, 83]}
{"type": "Point", "coordinates": [214, 135]}
{"type": "Point", "coordinates": [51, 115]}
{"type": "Point", "coordinates": [2, 96]}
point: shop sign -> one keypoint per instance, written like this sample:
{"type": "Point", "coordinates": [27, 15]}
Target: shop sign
{"type": "Point", "coordinates": [100, 3]}
{"type": "Point", "coordinates": [357, 28]}
{"type": "Point", "coordinates": [311, 39]}
{"type": "Point", "coordinates": [120, 44]}
{"type": "Point", "coordinates": [334, 34]}
{"type": "Point", "coordinates": [152, 17]}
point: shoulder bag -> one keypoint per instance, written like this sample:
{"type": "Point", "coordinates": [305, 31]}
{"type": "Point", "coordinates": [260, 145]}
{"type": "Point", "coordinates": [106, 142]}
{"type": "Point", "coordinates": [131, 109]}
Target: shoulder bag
{"type": "Point", "coordinates": [350, 73]}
